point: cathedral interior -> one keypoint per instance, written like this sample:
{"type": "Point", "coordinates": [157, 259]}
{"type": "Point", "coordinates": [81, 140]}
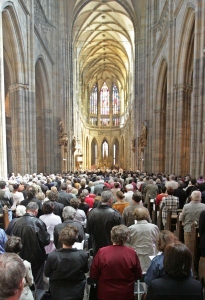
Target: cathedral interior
{"type": "Point", "coordinates": [88, 84]}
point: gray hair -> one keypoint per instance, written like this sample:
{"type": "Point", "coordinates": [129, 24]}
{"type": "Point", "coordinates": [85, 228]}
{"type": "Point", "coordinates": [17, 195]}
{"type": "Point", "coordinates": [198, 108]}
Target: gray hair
{"type": "Point", "coordinates": [170, 185]}
{"type": "Point", "coordinates": [32, 206]}
{"type": "Point", "coordinates": [106, 196]}
{"type": "Point", "coordinates": [120, 234]}
{"type": "Point", "coordinates": [12, 272]}
{"type": "Point", "coordinates": [129, 187]}
{"type": "Point", "coordinates": [84, 192]}
{"type": "Point", "coordinates": [68, 213]}
{"type": "Point", "coordinates": [196, 196]}
{"type": "Point", "coordinates": [141, 213]}
{"type": "Point", "coordinates": [20, 210]}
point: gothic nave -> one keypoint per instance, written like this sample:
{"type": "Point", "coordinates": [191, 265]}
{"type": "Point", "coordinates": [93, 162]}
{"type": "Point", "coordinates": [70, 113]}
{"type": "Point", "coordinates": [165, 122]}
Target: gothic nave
{"type": "Point", "coordinates": [97, 84]}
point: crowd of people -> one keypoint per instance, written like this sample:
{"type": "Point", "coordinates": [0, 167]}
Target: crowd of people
{"type": "Point", "coordinates": [106, 214]}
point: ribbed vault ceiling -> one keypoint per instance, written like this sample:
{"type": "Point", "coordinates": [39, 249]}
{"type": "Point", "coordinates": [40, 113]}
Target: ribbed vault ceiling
{"type": "Point", "coordinates": [104, 43]}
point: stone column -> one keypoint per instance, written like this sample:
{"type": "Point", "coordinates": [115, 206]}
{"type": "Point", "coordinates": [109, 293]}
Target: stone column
{"type": "Point", "coordinates": [3, 158]}
{"type": "Point", "coordinates": [18, 95]}
{"type": "Point", "coordinates": [182, 151]}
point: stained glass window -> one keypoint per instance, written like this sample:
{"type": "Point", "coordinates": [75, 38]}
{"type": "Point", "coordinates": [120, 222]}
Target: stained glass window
{"type": "Point", "coordinates": [94, 100]}
{"type": "Point", "coordinates": [104, 100]}
{"type": "Point", "coordinates": [105, 149]}
{"type": "Point", "coordinates": [115, 100]}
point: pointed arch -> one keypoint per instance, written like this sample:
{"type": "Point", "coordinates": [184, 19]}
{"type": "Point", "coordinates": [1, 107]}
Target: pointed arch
{"type": "Point", "coordinates": [14, 46]}
{"type": "Point", "coordinates": [185, 65]}
{"type": "Point", "coordinates": [105, 148]}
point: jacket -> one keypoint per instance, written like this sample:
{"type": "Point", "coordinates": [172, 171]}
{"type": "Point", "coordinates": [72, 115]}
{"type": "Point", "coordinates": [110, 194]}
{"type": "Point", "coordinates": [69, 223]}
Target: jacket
{"type": "Point", "coordinates": [99, 224]}
{"type": "Point", "coordinates": [34, 237]}
{"type": "Point", "coordinates": [66, 270]}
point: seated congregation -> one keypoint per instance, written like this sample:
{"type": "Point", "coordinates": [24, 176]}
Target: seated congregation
{"type": "Point", "coordinates": [120, 236]}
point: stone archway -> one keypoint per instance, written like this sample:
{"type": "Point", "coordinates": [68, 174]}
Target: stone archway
{"type": "Point", "coordinates": [184, 90]}
{"type": "Point", "coordinates": [13, 98]}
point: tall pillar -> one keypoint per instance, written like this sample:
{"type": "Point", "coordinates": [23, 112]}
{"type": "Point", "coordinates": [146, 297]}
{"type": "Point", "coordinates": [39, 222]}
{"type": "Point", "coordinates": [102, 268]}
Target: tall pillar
{"type": "Point", "coordinates": [20, 156]}
{"type": "Point", "coordinates": [3, 159]}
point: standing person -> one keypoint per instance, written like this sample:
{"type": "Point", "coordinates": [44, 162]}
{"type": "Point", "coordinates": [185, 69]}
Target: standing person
{"type": "Point", "coordinates": [129, 193]}
{"type": "Point", "coordinates": [66, 267]}
{"type": "Point", "coordinates": [12, 273]}
{"type": "Point", "coordinates": [143, 237]}
{"type": "Point", "coordinates": [31, 197]}
{"type": "Point", "coordinates": [181, 194]}
{"type": "Point", "coordinates": [17, 196]}
{"type": "Point", "coordinates": [68, 217]}
{"type": "Point", "coordinates": [34, 237]}
{"type": "Point", "coordinates": [3, 239]}
{"type": "Point", "coordinates": [169, 202]}
{"type": "Point", "coordinates": [121, 203]}
{"type": "Point", "coordinates": [156, 268]}
{"type": "Point", "coordinates": [14, 245]}
{"type": "Point", "coordinates": [51, 221]}
{"type": "Point", "coordinates": [191, 213]}
{"type": "Point", "coordinates": [116, 267]}
{"type": "Point", "coordinates": [63, 196]}
{"type": "Point", "coordinates": [128, 216]}
{"type": "Point", "coordinates": [101, 220]}
{"type": "Point", "coordinates": [177, 283]}
{"type": "Point", "coordinates": [151, 191]}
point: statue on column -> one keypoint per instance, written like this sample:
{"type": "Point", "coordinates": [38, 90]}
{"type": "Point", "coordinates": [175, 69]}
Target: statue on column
{"type": "Point", "coordinates": [133, 144]}
{"type": "Point", "coordinates": [143, 136]}
{"type": "Point", "coordinates": [63, 138]}
{"type": "Point", "coordinates": [74, 144]}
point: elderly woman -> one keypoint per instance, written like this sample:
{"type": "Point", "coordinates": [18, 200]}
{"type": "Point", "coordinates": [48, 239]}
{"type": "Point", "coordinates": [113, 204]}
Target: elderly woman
{"type": "Point", "coordinates": [66, 267]}
{"type": "Point", "coordinates": [156, 268]}
{"type": "Point", "coordinates": [176, 284]}
{"type": "Point", "coordinates": [116, 267]}
{"type": "Point", "coordinates": [143, 237]}
{"type": "Point", "coordinates": [20, 211]}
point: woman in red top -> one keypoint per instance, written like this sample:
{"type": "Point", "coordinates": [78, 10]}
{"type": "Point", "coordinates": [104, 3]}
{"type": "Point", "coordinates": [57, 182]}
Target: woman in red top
{"type": "Point", "coordinates": [116, 267]}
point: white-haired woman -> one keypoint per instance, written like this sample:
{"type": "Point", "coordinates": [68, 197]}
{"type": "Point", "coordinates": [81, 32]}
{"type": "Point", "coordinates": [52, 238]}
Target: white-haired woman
{"type": "Point", "coordinates": [20, 211]}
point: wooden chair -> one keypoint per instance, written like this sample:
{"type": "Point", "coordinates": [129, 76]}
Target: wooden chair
{"type": "Point", "coordinates": [171, 221]}
{"type": "Point", "coordinates": [4, 218]}
{"type": "Point", "coordinates": [159, 220]}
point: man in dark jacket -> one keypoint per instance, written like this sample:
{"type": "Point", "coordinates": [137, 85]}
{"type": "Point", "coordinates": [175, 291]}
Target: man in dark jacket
{"type": "Point", "coordinates": [34, 237]}
{"type": "Point", "coordinates": [101, 220]}
{"type": "Point", "coordinates": [68, 217]}
{"type": "Point", "coordinates": [63, 196]}
{"type": "Point", "coordinates": [31, 197]}
{"type": "Point", "coordinates": [181, 194]}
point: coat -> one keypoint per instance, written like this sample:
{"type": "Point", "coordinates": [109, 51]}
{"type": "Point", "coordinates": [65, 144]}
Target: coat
{"type": "Point", "coordinates": [34, 237]}
{"type": "Point", "coordinates": [66, 268]}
